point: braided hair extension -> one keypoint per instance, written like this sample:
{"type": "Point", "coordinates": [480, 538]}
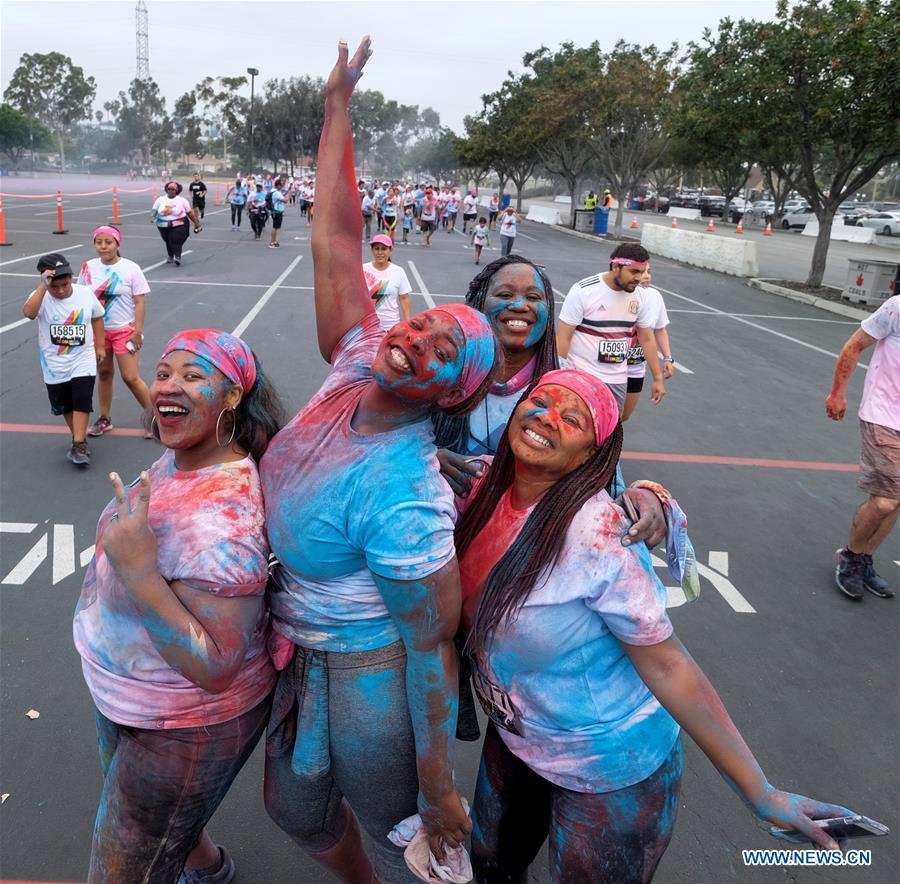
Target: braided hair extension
{"type": "Point", "coordinates": [542, 536]}
{"type": "Point", "coordinates": [451, 430]}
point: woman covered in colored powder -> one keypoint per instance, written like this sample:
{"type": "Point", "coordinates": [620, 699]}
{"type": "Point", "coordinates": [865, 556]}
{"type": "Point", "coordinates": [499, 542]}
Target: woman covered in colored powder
{"type": "Point", "coordinates": [171, 622]}
{"type": "Point", "coordinates": [362, 525]}
{"type": "Point", "coordinates": [576, 662]}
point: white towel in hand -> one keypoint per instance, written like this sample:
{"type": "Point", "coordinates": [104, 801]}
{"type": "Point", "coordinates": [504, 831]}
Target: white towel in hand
{"type": "Point", "coordinates": [455, 867]}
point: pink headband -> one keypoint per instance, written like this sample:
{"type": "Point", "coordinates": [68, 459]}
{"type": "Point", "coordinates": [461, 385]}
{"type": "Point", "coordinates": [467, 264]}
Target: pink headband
{"type": "Point", "coordinates": [628, 262]}
{"type": "Point", "coordinates": [226, 352]}
{"type": "Point", "coordinates": [596, 395]}
{"type": "Point", "coordinates": [479, 349]}
{"type": "Point", "coordinates": [109, 231]}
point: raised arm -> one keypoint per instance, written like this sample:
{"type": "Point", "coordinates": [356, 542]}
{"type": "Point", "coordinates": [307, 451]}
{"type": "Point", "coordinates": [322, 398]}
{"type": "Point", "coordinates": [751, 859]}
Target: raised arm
{"type": "Point", "coordinates": [342, 300]}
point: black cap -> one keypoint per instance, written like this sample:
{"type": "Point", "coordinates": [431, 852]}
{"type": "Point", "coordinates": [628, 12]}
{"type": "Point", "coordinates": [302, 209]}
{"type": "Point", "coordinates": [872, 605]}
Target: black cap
{"type": "Point", "coordinates": [55, 262]}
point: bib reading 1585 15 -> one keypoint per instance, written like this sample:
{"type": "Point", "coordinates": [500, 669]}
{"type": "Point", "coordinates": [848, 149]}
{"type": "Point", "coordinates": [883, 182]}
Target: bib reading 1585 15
{"type": "Point", "coordinates": [67, 335]}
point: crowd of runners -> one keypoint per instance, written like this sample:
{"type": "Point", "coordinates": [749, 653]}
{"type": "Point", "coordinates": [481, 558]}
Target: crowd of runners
{"type": "Point", "coordinates": [446, 515]}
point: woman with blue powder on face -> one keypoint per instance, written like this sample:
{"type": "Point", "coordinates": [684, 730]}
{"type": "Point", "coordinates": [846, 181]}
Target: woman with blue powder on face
{"type": "Point", "coordinates": [576, 662]}
{"type": "Point", "coordinates": [366, 602]}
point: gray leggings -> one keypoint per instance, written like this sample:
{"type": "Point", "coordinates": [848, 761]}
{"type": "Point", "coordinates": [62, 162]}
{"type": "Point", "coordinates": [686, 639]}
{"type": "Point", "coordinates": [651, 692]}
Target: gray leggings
{"type": "Point", "coordinates": [340, 728]}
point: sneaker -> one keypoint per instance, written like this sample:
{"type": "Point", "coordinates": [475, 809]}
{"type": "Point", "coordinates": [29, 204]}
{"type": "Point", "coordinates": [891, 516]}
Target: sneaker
{"type": "Point", "coordinates": [178, 262]}
{"type": "Point", "coordinates": [100, 426]}
{"type": "Point", "coordinates": [848, 574]}
{"type": "Point", "coordinates": [79, 454]}
{"type": "Point", "coordinates": [873, 582]}
{"type": "Point", "coordinates": [222, 876]}
{"type": "Point", "coordinates": [169, 260]}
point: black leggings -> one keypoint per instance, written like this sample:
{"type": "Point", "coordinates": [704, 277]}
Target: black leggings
{"type": "Point", "coordinates": [258, 222]}
{"type": "Point", "coordinates": [174, 238]}
{"type": "Point", "coordinates": [236, 212]}
{"type": "Point", "coordinates": [605, 838]}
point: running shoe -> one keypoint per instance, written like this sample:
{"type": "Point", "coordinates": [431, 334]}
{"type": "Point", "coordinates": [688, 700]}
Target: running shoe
{"type": "Point", "coordinates": [224, 874]}
{"type": "Point", "coordinates": [79, 454]}
{"type": "Point", "coordinates": [169, 260]}
{"type": "Point", "coordinates": [178, 262]}
{"type": "Point", "coordinates": [873, 582]}
{"type": "Point", "coordinates": [848, 574]}
{"type": "Point", "coordinates": [100, 426]}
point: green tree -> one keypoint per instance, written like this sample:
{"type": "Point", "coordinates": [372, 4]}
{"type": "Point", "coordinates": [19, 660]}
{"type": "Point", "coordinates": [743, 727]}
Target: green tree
{"type": "Point", "coordinates": [628, 134]}
{"type": "Point", "coordinates": [19, 132]}
{"type": "Point", "coordinates": [144, 127]}
{"type": "Point", "coordinates": [186, 126]}
{"type": "Point", "coordinates": [822, 83]}
{"type": "Point", "coordinates": [53, 90]}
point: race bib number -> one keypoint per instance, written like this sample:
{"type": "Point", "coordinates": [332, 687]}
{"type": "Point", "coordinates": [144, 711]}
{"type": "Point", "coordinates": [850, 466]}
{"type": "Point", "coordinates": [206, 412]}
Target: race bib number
{"type": "Point", "coordinates": [67, 335]}
{"type": "Point", "coordinates": [612, 351]}
{"type": "Point", "coordinates": [496, 703]}
{"type": "Point", "coordinates": [635, 355]}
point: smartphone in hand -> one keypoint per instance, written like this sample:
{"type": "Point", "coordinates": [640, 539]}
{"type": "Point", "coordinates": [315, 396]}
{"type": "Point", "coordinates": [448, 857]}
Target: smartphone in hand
{"type": "Point", "coordinates": [839, 828]}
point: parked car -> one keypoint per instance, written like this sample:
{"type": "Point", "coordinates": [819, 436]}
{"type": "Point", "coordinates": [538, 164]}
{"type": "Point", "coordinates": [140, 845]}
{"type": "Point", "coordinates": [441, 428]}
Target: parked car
{"type": "Point", "coordinates": [798, 217]}
{"type": "Point", "coordinates": [853, 218]}
{"type": "Point", "coordinates": [762, 210]}
{"type": "Point", "coordinates": [712, 206]}
{"type": "Point", "coordinates": [790, 205]}
{"type": "Point", "coordinates": [885, 223]}
{"type": "Point", "coordinates": [736, 209]}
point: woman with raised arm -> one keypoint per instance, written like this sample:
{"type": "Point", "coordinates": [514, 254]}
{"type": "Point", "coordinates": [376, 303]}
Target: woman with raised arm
{"type": "Point", "coordinates": [366, 602]}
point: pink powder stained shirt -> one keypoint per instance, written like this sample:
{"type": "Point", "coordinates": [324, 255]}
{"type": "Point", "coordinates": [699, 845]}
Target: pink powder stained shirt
{"type": "Point", "coordinates": [342, 506]}
{"type": "Point", "coordinates": [210, 532]}
{"type": "Point", "coordinates": [561, 689]}
{"type": "Point", "coordinates": [881, 395]}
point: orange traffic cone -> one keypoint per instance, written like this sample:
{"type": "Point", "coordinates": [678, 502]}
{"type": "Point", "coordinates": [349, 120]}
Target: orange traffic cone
{"type": "Point", "coordinates": [740, 226]}
{"type": "Point", "coordinates": [710, 228]}
{"type": "Point", "coordinates": [674, 224]}
{"type": "Point", "coordinates": [218, 196]}
{"type": "Point", "coordinates": [634, 224]}
{"type": "Point", "coordinates": [768, 230]}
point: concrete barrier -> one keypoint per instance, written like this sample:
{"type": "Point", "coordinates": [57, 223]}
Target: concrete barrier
{"type": "Point", "coordinates": [843, 232]}
{"type": "Point", "coordinates": [736, 257]}
{"type": "Point", "coordinates": [543, 215]}
{"type": "Point", "coordinates": [563, 199]}
{"type": "Point", "coordinates": [686, 214]}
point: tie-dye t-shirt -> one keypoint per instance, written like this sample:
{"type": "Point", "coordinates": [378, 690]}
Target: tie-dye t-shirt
{"type": "Point", "coordinates": [66, 336]}
{"type": "Point", "coordinates": [342, 506]}
{"type": "Point", "coordinates": [556, 681]}
{"type": "Point", "coordinates": [115, 286]}
{"type": "Point", "coordinates": [881, 395]}
{"type": "Point", "coordinates": [210, 532]}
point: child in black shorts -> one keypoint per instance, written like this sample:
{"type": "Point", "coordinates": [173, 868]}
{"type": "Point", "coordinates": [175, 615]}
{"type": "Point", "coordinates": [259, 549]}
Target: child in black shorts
{"type": "Point", "coordinates": [71, 344]}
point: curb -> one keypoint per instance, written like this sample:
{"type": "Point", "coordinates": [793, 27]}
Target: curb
{"type": "Point", "coordinates": [812, 300]}
{"type": "Point", "coordinates": [593, 237]}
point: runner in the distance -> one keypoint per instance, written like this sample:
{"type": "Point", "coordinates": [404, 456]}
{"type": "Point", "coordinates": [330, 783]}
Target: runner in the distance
{"type": "Point", "coordinates": [470, 210]}
{"type": "Point", "coordinates": [508, 225]}
{"type": "Point", "coordinates": [453, 203]}
{"type": "Point", "coordinates": [257, 211]}
{"type": "Point", "coordinates": [599, 317]}
{"type": "Point", "coordinates": [493, 210]}
{"type": "Point", "coordinates": [119, 285]}
{"type": "Point", "coordinates": [388, 283]}
{"type": "Point", "coordinates": [637, 364]}
{"type": "Point", "coordinates": [428, 218]}
{"type": "Point", "coordinates": [198, 194]}
{"type": "Point", "coordinates": [237, 199]}
{"type": "Point", "coordinates": [879, 424]}
{"type": "Point", "coordinates": [481, 237]}
{"type": "Point", "coordinates": [276, 199]}
{"type": "Point", "coordinates": [70, 345]}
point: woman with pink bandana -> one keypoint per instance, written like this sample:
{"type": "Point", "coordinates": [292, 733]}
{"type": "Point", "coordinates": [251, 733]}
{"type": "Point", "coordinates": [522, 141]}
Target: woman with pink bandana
{"type": "Point", "coordinates": [576, 663]}
{"type": "Point", "coordinates": [366, 600]}
{"type": "Point", "coordinates": [171, 622]}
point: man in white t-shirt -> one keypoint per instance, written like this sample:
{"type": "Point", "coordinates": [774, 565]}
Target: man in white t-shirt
{"type": "Point", "coordinates": [388, 284]}
{"type": "Point", "coordinates": [599, 317]}
{"type": "Point", "coordinates": [71, 344]}
{"type": "Point", "coordinates": [470, 210]}
{"type": "Point", "coordinates": [879, 468]}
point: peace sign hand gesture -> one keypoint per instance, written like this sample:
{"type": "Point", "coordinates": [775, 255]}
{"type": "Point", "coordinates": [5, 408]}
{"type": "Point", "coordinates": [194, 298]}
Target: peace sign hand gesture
{"type": "Point", "coordinates": [129, 543]}
{"type": "Point", "coordinates": [344, 75]}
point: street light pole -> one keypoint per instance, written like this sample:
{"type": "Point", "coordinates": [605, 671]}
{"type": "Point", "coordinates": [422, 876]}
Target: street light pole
{"type": "Point", "coordinates": [254, 73]}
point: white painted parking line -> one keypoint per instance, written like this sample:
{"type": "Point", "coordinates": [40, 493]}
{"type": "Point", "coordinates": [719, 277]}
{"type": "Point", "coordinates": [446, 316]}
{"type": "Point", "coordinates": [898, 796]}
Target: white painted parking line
{"type": "Point", "coordinates": [756, 325]}
{"type": "Point", "coordinates": [160, 263]}
{"type": "Point", "coordinates": [254, 310]}
{"type": "Point", "coordinates": [719, 561]}
{"type": "Point", "coordinates": [39, 254]}
{"type": "Point", "coordinates": [28, 564]}
{"type": "Point", "coordinates": [762, 316]}
{"type": "Point", "coordinates": [63, 552]}
{"type": "Point", "coordinates": [17, 527]}
{"type": "Point", "coordinates": [13, 325]}
{"type": "Point", "coordinates": [532, 238]}
{"type": "Point", "coordinates": [423, 289]}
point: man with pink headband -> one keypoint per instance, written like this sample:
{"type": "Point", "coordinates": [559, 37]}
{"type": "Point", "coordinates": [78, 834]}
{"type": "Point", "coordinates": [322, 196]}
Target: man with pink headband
{"type": "Point", "coordinates": [120, 286]}
{"type": "Point", "coordinates": [599, 317]}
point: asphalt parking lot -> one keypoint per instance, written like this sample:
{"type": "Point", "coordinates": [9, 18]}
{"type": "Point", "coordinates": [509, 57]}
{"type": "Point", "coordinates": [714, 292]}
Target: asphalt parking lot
{"type": "Point", "coordinates": [742, 440]}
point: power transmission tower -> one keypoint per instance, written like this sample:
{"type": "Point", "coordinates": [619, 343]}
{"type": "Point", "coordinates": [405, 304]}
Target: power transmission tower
{"type": "Point", "coordinates": [142, 40]}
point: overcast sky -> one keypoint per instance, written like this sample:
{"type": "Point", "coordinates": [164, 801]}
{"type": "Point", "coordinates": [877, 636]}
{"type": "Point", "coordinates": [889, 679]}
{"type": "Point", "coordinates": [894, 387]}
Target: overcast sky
{"type": "Point", "coordinates": [438, 54]}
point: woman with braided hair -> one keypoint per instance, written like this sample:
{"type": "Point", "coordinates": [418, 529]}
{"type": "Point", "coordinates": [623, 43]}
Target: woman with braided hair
{"type": "Point", "coordinates": [576, 663]}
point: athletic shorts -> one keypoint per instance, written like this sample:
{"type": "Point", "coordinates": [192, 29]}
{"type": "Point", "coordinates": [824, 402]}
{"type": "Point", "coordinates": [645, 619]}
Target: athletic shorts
{"type": "Point", "coordinates": [618, 391]}
{"type": "Point", "coordinates": [879, 460]}
{"type": "Point", "coordinates": [74, 395]}
{"type": "Point", "coordinates": [468, 216]}
{"type": "Point", "coordinates": [277, 218]}
{"type": "Point", "coordinates": [426, 225]}
{"type": "Point", "coordinates": [117, 338]}
{"type": "Point", "coordinates": [636, 384]}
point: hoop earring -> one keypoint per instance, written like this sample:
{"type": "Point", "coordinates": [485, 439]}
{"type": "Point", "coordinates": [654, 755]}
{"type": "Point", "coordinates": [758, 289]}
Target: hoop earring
{"type": "Point", "coordinates": [233, 427]}
{"type": "Point", "coordinates": [154, 427]}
